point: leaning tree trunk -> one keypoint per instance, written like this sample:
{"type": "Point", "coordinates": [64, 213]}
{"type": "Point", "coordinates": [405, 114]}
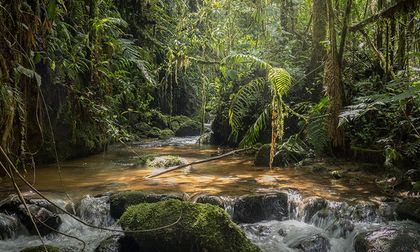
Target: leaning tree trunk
{"type": "Point", "coordinates": [332, 81]}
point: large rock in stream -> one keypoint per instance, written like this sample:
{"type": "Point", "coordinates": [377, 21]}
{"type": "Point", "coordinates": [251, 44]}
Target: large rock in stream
{"type": "Point", "coordinates": [45, 220]}
{"type": "Point", "coordinates": [122, 200]}
{"type": "Point", "coordinates": [255, 208]}
{"type": "Point", "coordinates": [186, 227]}
{"type": "Point", "coordinates": [409, 209]}
{"type": "Point", "coordinates": [391, 238]}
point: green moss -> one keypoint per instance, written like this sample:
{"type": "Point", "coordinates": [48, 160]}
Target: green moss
{"type": "Point", "coordinates": [202, 227]}
{"type": "Point", "coordinates": [166, 161]}
{"type": "Point", "coordinates": [166, 133]}
{"type": "Point", "coordinates": [189, 128]}
{"type": "Point", "coordinates": [41, 249]}
{"type": "Point", "coordinates": [120, 201]}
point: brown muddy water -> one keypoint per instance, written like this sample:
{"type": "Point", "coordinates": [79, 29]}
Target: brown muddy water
{"type": "Point", "coordinates": [118, 169]}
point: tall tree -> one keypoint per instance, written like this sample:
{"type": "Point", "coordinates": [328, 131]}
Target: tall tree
{"type": "Point", "coordinates": [333, 83]}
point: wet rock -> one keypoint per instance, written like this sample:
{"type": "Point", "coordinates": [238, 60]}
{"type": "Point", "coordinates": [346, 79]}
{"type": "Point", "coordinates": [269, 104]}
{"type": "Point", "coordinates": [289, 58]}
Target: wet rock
{"type": "Point", "coordinates": [314, 243]}
{"type": "Point", "coordinates": [8, 226]}
{"type": "Point", "coordinates": [364, 212]}
{"type": "Point", "coordinates": [202, 227]}
{"type": "Point", "coordinates": [312, 205]}
{"type": "Point", "coordinates": [118, 243]}
{"type": "Point", "coordinates": [342, 228]}
{"type": "Point", "coordinates": [41, 248]}
{"type": "Point", "coordinates": [95, 210]}
{"type": "Point", "coordinates": [257, 229]}
{"type": "Point", "coordinates": [206, 138]}
{"type": "Point", "coordinates": [212, 200]}
{"type": "Point", "coordinates": [282, 232]}
{"type": "Point", "coordinates": [255, 208]}
{"type": "Point", "coordinates": [405, 237]}
{"type": "Point", "coordinates": [44, 219]}
{"type": "Point", "coordinates": [188, 128]}
{"type": "Point", "coordinates": [120, 201]}
{"type": "Point", "coordinates": [409, 209]}
{"type": "Point", "coordinates": [336, 174]}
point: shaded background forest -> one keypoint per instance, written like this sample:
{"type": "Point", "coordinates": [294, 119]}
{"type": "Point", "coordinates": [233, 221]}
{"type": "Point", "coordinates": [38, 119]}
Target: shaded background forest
{"type": "Point", "coordinates": [78, 75]}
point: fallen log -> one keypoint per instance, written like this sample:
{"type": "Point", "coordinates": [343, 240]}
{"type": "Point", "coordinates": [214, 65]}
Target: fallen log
{"type": "Point", "coordinates": [197, 162]}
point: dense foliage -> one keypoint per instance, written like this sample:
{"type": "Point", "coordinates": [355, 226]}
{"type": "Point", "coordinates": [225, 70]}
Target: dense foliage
{"type": "Point", "coordinates": [77, 75]}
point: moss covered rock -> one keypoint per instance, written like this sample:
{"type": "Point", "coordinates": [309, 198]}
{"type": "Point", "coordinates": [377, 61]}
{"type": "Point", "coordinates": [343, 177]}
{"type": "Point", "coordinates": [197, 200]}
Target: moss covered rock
{"type": "Point", "coordinates": [188, 128]}
{"type": "Point", "coordinates": [41, 249]}
{"type": "Point", "coordinates": [409, 209]}
{"type": "Point", "coordinates": [122, 200]}
{"type": "Point", "coordinates": [202, 227]}
{"type": "Point", "coordinates": [210, 199]}
{"type": "Point", "coordinates": [166, 161]}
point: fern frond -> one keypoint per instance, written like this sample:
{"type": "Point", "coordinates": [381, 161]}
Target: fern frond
{"type": "Point", "coordinates": [246, 58]}
{"type": "Point", "coordinates": [240, 102]}
{"type": "Point", "coordinates": [280, 79]}
{"type": "Point", "coordinates": [254, 131]}
{"type": "Point", "coordinates": [317, 135]}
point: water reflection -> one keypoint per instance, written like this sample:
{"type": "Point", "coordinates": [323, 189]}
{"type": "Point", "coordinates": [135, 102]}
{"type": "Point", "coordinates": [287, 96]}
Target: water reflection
{"type": "Point", "coordinates": [118, 169]}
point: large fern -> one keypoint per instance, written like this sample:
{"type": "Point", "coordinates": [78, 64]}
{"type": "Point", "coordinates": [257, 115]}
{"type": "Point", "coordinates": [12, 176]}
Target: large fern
{"type": "Point", "coordinates": [280, 82]}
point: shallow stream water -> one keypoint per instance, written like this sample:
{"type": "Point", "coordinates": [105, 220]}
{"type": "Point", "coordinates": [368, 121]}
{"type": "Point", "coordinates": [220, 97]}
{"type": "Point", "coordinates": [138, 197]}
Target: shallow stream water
{"type": "Point", "coordinates": [119, 169]}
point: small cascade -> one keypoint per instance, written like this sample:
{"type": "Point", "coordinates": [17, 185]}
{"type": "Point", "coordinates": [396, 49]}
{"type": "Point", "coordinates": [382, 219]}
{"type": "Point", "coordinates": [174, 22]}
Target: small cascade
{"type": "Point", "coordinates": [294, 201]}
{"type": "Point", "coordinates": [9, 226]}
{"type": "Point", "coordinates": [96, 211]}
{"type": "Point", "coordinates": [229, 203]}
{"type": "Point", "coordinates": [317, 225]}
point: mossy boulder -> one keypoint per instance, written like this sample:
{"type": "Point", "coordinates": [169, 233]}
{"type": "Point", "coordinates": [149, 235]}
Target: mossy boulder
{"type": "Point", "coordinates": [206, 138]}
{"type": "Point", "coordinates": [166, 133]}
{"type": "Point", "coordinates": [121, 201]}
{"type": "Point", "coordinates": [409, 209]}
{"type": "Point", "coordinates": [210, 199]}
{"type": "Point", "coordinates": [188, 128]}
{"type": "Point", "coordinates": [175, 122]}
{"type": "Point", "coordinates": [390, 238]}
{"type": "Point", "coordinates": [159, 120]}
{"type": "Point", "coordinates": [155, 132]}
{"type": "Point", "coordinates": [256, 208]}
{"type": "Point", "coordinates": [202, 227]}
{"type": "Point", "coordinates": [41, 248]}
{"type": "Point", "coordinates": [166, 161]}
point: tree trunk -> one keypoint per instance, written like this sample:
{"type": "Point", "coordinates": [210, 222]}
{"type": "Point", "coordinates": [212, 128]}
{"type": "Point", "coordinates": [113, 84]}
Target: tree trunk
{"type": "Point", "coordinates": [319, 35]}
{"type": "Point", "coordinates": [319, 32]}
{"type": "Point", "coordinates": [332, 80]}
